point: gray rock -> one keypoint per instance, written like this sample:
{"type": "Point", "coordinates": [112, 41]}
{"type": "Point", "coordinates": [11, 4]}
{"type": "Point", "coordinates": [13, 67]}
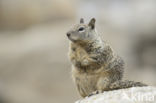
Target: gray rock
{"type": "Point", "coordinates": [130, 95]}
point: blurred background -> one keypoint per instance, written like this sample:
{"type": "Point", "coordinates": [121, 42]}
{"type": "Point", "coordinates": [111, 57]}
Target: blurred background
{"type": "Point", "coordinates": [34, 67]}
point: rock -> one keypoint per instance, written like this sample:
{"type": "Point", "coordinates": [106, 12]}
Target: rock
{"type": "Point", "coordinates": [130, 95]}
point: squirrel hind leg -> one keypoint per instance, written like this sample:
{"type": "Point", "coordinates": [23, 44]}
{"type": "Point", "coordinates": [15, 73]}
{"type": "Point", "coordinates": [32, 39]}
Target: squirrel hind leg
{"type": "Point", "coordinates": [95, 92]}
{"type": "Point", "coordinates": [125, 84]}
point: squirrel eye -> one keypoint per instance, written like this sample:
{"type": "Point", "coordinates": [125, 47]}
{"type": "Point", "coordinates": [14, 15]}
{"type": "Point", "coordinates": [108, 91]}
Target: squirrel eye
{"type": "Point", "coordinates": [81, 29]}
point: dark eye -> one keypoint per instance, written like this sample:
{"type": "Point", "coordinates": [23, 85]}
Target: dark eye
{"type": "Point", "coordinates": [81, 29]}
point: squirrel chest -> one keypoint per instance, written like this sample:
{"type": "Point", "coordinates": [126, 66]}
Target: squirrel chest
{"type": "Point", "coordinates": [77, 54]}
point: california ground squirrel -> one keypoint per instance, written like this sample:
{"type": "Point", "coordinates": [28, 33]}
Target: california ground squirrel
{"type": "Point", "coordinates": [95, 66]}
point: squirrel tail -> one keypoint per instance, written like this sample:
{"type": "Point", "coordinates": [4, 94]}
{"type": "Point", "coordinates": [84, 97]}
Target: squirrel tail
{"type": "Point", "coordinates": [125, 84]}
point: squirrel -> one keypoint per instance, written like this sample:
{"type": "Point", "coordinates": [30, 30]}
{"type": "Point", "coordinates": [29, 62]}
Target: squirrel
{"type": "Point", "coordinates": [95, 66]}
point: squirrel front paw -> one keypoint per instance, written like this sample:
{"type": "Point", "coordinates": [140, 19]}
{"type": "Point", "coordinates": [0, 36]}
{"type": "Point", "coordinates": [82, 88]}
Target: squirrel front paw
{"type": "Point", "coordinates": [85, 62]}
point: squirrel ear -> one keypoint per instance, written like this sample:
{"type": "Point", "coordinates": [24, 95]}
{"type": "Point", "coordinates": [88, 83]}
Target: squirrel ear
{"type": "Point", "coordinates": [81, 20]}
{"type": "Point", "coordinates": [92, 23]}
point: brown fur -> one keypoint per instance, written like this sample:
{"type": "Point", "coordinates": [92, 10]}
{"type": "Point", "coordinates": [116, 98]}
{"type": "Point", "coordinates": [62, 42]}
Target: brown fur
{"type": "Point", "coordinates": [95, 66]}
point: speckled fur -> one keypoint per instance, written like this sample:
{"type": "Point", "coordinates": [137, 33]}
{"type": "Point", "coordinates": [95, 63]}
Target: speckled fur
{"type": "Point", "coordinates": [95, 66]}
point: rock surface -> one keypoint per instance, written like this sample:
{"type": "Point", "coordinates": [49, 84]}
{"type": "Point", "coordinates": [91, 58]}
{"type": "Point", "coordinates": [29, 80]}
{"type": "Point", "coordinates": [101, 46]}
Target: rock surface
{"type": "Point", "coordinates": [131, 95]}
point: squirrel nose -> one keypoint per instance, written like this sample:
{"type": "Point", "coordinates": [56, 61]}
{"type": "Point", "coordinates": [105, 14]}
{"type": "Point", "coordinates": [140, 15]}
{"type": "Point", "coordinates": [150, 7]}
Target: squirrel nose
{"type": "Point", "coordinates": [68, 34]}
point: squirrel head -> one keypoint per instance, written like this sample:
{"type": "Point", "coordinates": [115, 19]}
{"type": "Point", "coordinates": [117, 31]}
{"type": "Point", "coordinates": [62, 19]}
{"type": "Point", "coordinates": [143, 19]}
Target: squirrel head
{"type": "Point", "coordinates": [82, 32]}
